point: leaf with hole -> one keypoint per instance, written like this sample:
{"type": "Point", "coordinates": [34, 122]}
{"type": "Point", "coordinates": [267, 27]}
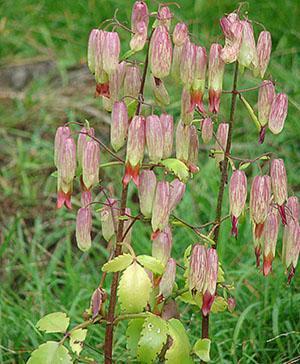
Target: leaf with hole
{"type": "Point", "coordinates": [133, 334]}
{"type": "Point", "coordinates": [50, 352]}
{"type": "Point", "coordinates": [77, 338]}
{"type": "Point", "coordinates": [153, 338]}
{"type": "Point", "coordinates": [179, 352]}
{"type": "Point", "coordinates": [54, 322]}
{"type": "Point", "coordinates": [134, 289]}
{"type": "Point", "coordinates": [117, 264]}
{"type": "Point", "coordinates": [151, 263]}
{"type": "Point", "coordinates": [202, 349]}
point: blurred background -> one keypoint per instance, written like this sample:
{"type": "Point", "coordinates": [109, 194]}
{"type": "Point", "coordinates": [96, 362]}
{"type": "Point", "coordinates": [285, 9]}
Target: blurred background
{"type": "Point", "coordinates": [44, 83]}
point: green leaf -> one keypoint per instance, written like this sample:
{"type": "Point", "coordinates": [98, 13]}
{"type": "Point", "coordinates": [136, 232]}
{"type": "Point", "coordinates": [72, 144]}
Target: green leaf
{"type": "Point", "coordinates": [54, 322]}
{"type": "Point", "coordinates": [133, 334]}
{"type": "Point", "coordinates": [243, 166]}
{"type": "Point", "coordinates": [117, 264]}
{"type": "Point", "coordinates": [251, 112]}
{"type": "Point", "coordinates": [153, 338]}
{"type": "Point", "coordinates": [131, 107]}
{"type": "Point", "coordinates": [54, 174]}
{"type": "Point", "coordinates": [179, 352]}
{"type": "Point", "coordinates": [219, 305]}
{"type": "Point", "coordinates": [221, 274]}
{"type": "Point", "coordinates": [77, 338]}
{"type": "Point", "coordinates": [50, 352]}
{"type": "Point", "coordinates": [202, 349]}
{"type": "Point", "coordinates": [264, 158]}
{"type": "Point", "coordinates": [128, 54]}
{"type": "Point", "coordinates": [177, 167]}
{"type": "Point", "coordinates": [187, 297]}
{"type": "Point", "coordinates": [151, 263]}
{"type": "Point", "coordinates": [134, 289]}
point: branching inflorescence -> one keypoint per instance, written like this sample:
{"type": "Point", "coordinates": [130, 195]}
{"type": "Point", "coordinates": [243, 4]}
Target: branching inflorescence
{"type": "Point", "coordinates": [146, 294]}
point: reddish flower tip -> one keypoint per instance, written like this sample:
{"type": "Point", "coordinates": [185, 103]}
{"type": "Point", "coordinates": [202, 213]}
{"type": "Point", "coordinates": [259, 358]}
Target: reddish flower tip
{"type": "Point", "coordinates": [262, 134]}
{"type": "Point", "coordinates": [291, 275]}
{"type": "Point", "coordinates": [208, 300]}
{"type": "Point", "coordinates": [131, 173]}
{"type": "Point", "coordinates": [196, 100]}
{"type": "Point", "coordinates": [63, 199]}
{"type": "Point", "coordinates": [267, 265]}
{"type": "Point", "coordinates": [102, 89]}
{"type": "Point", "coordinates": [281, 210]}
{"type": "Point", "coordinates": [257, 254]}
{"type": "Point", "coordinates": [155, 234]}
{"type": "Point", "coordinates": [214, 101]}
{"type": "Point", "coordinates": [234, 223]}
{"type": "Point", "coordinates": [259, 228]}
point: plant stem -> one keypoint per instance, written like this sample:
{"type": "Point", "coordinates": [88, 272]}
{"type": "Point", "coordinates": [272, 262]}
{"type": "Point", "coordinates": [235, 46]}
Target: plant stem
{"type": "Point", "coordinates": [108, 345]}
{"type": "Point", "coordinates": [223, 181]}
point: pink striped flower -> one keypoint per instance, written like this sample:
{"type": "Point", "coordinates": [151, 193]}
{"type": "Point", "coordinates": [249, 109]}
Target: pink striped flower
{"type": "Point", "coordinates": [237, 197]}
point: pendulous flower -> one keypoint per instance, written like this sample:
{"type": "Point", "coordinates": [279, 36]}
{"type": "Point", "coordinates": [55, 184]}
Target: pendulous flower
{"type": "Point", "coordinates": [264, 47]}
{"type": "Point", "coordinates": [83, 228]}
{"type": "Point", "coordinates": [207, 129]}
{"type": "Point", "coordinates": [167, 124]}
{"type": "Point", "coordinates": [162, 245]}
{"type": "Point", "coordinates": [146, 191]}
{"type": "Point", "coordinates": [154, 138]}
{"type": "Point", "coordinates": [119, 125]}
{"type": "Point", "coordinates": [279, 186]}
{"type": "Point", "coordinates": [237, 197]}
{"type": "Point", "coordinates": [90, 164]}
{"type": "Point", "coordinates": [278, 113]}
{"type": "Point", "coordinates": [161, 208]}
{"type": "Point", "coordinates": [215, 77]}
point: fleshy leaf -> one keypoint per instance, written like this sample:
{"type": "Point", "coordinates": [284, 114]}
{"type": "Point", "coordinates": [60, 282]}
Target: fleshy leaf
{"type": "Point", "coordinates": [54, 322]}
{"type": "Point", "coordinates": [151, 263]}
{"type": "Point", "coordinates": [131, 108]}
{"type": "Point", "coordinates": [50, 352]}
{"type": "Point", "coordinates": [202, 349]}
{"type": "Point", "coordinates": [77, 338]}
{"type": "Point", "coordinates": [221, 274]}
{"type": "Point", "coordinates": [187, 297]}
{"type": "Point", "coordinates": [134, 289]}
{"type": "Point", "coordinates": [179, 352]}
{"type": "Point", "coordinates": [177, 167]}
{"type": "Point", "coordinates": [153, 338]}
{"type": "Point", "coordinates": [219, 305]}
{"type": "Point", "coordinates": [244, 165]}
{"type": "Point", "coordinates": [133, 334]}
{"type": "Point", "coordinates": [117, 264]}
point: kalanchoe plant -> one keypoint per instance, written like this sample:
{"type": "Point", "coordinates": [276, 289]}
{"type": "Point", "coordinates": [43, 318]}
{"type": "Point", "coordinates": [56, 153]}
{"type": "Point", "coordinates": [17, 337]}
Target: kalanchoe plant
{"type": "Point", "coordinates": [147, 291]}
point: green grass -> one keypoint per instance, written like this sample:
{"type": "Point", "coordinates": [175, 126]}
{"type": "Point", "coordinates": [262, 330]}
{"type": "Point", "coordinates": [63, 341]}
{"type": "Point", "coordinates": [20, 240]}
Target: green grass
{"type": "Point", "coordinates": [41, 268]}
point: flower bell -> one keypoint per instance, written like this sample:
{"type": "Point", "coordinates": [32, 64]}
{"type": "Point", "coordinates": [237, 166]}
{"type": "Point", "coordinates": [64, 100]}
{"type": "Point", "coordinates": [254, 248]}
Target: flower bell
{"type": "Point", "coordinates": [180, 34]}
{"type": "Point", "coordinates": [161, 209]}
{"type": "Point", "coordinates": [86, 198]}
{"type": "Point", "coordinates": [164, 16]}
{"type": "Point", "coordinates": [102, 78]}
{"type": "Point", "coordinates": [279, 186]}
{"type": "Point", "coordinates": [154, 138]}
{"type": "Point", "coordinates": [198, 269]}
{"type": "Point", "coordinates": [187, 111]}
{"type": "Point", "coordinates": [198, 85]}
{"type": "Point", "coordinates": [132, 81]}
{"type": "Point", "coordinates": [146, 191]}
{"type": "Point", "coordinates": [177, 190]}
{"type": "Point", "coordinates": [162, 245]}
{"type": "Point", "coordinates": [188, 63]}
{"type": "Point", "coordinates": [116, 81]}
{"type": "Point", "coordinates": [83, 138]}
{"type": "Point", "coordinates": [270, 235]}
{"type": "Point", "coordinates": [278, 113]}
{"type": "Point", "coordinates": [211, 280]}
{"type": "Point", "coordinates": [167, 281]}
{"type": "Point", "coordinates": [160, 92]}
{"type": "Point", "coordinates": [92, 49]}
{"type": "Point", "coordinates": [83, 228]}
{"type": "Point", "coordinates": [183, 138]}
{"type": "Point", "coordinates": [139, 25]}
{"type": "Point", "coordinates": [260, 197]}
{"type": "Point", "coordinates": [135, 149]}
{"type": "Point", "coordinates": [62, 133]}
{"type": "Point", "coordinates": [167, 124]}
{"type": "Point", "coordinates": [215, 77]}
{"type": "Point", "coordinates": [248, 54]}
{"type": "Point", "coordinates": [207, 129]}
{"type": "Point", "coordinates": [109, 218]}
{"type": "Point", "coordinates": [66, 166]}
{"type": "Point", "coordinates": [264, 46]}
{"type": "Point", "coordinates": [233, 31]}
{"type": "Point", "coordinates": [237, 197]}
{"type": "Point", "coordinates": [119, 125]}
{"type": "Point", "coordinates": [111, 52]}
{"type": "Point", "coordinates": [160, 52]}
{"type": "Point", "coordinates": [221, 141]}
{"type": "Point", "coordinates": [90, 164]}
{"type": "Point", "coordinates": [266, 96]}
